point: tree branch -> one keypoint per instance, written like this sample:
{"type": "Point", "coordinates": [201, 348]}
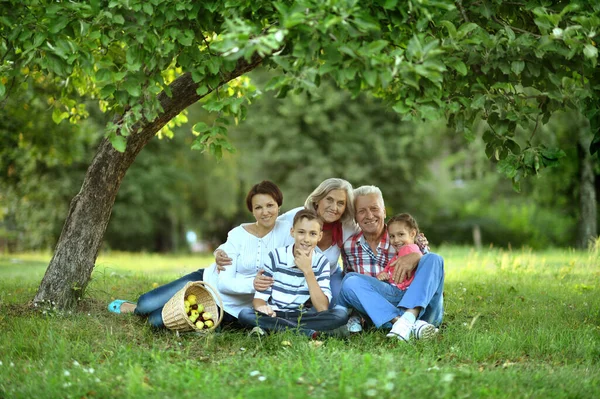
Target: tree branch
{"type": "Point", "coordinates": [515, 28]}
{"type": "Point", "coordinates": [462, 10]}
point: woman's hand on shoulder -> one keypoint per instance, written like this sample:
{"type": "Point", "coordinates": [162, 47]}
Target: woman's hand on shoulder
{"type": "Point", "coordinates": [222, 260]}
{"type": "Point", "coordinates": [261, 282]}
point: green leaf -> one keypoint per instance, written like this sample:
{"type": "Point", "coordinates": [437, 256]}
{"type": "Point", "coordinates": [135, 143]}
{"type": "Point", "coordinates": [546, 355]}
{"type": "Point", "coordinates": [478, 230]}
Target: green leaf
{"type": "Point", "coordinates": [460, 67]}
{"type": "Point", "coordinates": [200, 127]}
{"type": "Point", "coordinates": [390, 4]}
{"type": "Point", "coordinates": [590, 51]}
{"type": "Point", "coordinates": [513, 146]}
{"type": "Point", "coordinates": [118, 142]}
{"type": "Point", "coordinates": [118, 19]}
{"type": "Point", "coordinates": [451, 28]}
{"type": "Point", "coordinates": [148, 9]}
{"type": "Point", "coordinates": [507, 167]}
{"type": "Point", "coordinates": [478, 102]}
{"type": "Point", "coordinates": [370, 77]}
{"type": "Point", "coordinates": [517, 67]}
{"type": "Point", "coordinates": [58, 115]}
{"type": "Point", "coordinates": [107, 91]}
{"type": "Point", "coordinates": [202, 90]}
{"type": "Point", "coordinates": [2, 89]}
{"type": "Point", "coordinates": [133, 87]}
{"type": "Point", "coordinates": [466, 28]}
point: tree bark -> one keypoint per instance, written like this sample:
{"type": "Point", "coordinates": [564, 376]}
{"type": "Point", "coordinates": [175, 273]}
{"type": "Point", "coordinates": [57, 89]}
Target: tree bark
{"type": "Point", "coordinates": [587, 224]}
{"type": "Point", "coordinates": [75, 254]}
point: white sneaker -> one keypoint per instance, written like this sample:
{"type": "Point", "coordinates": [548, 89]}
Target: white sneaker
{"type": "Point", "coordinates": [424, 330]}
{"type": "Point", "coordinates": [402, 329]}
{"type": "Point", "coordinates": [257, 331]}
{"type": "Point", "coordinates": [354, 324]}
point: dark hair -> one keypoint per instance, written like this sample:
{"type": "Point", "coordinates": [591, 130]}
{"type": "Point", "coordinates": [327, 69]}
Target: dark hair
{"type": "Point", "coordinates": [405, 218]}
{"type": "Point", "coordinates": [308, 215]}
{"type": "Point", "coordinates": [264, 187]}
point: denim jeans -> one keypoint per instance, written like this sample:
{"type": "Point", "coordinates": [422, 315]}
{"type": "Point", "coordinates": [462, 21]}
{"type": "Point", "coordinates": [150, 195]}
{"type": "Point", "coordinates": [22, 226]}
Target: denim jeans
{"type": "Point", "coordinates": [151, 303]}
{"type": "Point", "coordinates": [335, 283]}
{"type": "Point", "coordinates": [382, 301]}
{"type": "Point", "coordinates": [308, 323]}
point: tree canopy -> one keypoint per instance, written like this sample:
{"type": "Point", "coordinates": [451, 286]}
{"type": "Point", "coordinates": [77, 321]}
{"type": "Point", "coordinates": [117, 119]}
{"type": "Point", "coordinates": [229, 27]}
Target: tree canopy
{"type": "Point", "coordinates": [510, 63]}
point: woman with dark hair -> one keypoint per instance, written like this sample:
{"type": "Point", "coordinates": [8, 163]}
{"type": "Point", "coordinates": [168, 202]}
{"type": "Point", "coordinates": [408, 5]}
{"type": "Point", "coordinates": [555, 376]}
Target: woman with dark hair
{"type": "Point", "coordinates": [248, 245]}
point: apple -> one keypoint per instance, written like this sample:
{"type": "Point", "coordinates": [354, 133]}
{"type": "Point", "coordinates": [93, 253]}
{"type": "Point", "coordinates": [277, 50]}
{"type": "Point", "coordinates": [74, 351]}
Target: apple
{"type": "Point", "coordinates": [207, 315]}
{"type": "Point", "coordinates": [191, 299]}
{"type": "Point", "coordinates": [186, 303]}
{"type": "Point", "coordinates": [200, 325]}
{"type": "Point", "coordinates": [200, 308]}
{"type": "Point", "coordinates": [194, 316]}
{"type": "Point", "coordinates": [209, 323]}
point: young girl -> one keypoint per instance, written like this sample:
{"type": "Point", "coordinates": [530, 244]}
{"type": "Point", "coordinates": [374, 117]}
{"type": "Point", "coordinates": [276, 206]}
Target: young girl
{"type": "Point", "coordinates": [402, 230]}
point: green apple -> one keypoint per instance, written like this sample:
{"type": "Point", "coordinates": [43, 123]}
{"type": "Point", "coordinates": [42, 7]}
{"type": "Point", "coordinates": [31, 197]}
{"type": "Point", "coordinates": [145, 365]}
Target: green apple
{"type": "Point", "coordinates": [200, 325]}
{"type": "Point", "coordinates": [186, 303]}
{"type": "Point", "coordinates": [209, 323]}
{"type": "Point", "coordinates": [200, 308]}
{"type": "Point", "coordinates": [207, 315]}
{"type": "Point", "coordinates": [194, 316]}
{"type": "Point", "coordinates": [191, 299]}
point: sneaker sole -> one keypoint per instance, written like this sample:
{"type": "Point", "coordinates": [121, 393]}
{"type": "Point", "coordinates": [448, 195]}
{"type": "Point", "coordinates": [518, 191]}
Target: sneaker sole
{"type": "Point", "coordinates": [426, 331]}
{"type": "Point", "coordinates": [399, 337]}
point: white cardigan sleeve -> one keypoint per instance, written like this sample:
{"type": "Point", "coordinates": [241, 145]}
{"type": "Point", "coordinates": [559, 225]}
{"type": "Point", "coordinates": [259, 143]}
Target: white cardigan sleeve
{"type": "Point", "coordinates": [229, 280]}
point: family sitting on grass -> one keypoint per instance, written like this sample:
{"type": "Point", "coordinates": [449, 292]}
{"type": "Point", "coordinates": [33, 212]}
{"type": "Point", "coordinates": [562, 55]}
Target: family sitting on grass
{"type": "Point", "coordinates": [282, 272]}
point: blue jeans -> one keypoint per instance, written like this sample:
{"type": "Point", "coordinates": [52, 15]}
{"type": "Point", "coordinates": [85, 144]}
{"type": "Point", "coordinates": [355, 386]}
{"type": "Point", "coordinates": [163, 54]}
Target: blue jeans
{"type": "Point", "coordinates": [382, 301]}
{"type": "Point", "coordinates": [151, 303]}
{"type": "Point", "coordinates": [307, 323]}
{"type": "Point", "coordinates": [335, 283]}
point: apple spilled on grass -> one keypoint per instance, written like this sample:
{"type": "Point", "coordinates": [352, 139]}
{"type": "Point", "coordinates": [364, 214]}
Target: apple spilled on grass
{"type": "Point", "coordinates": [195, 312]}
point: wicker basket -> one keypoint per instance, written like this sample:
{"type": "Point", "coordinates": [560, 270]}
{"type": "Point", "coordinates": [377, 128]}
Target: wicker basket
{"type": "Point", "coordinates": [173, 313]}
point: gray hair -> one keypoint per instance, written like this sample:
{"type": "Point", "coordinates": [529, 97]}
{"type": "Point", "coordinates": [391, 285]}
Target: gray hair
{"type": "Point", "coordinates": [368, 190]}
{"type": "Point", "coordinates": [324, 188]}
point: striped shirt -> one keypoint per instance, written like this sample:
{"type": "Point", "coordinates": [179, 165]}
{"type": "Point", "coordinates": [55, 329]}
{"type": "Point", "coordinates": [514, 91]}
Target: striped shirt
{"type": "Point", "coordinates": [360, 258]}
{"type": "Point", "coordinates": [289, 291]}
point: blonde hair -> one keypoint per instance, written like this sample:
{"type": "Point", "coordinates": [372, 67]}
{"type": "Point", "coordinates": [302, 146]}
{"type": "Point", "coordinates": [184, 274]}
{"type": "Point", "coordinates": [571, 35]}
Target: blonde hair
{"type": "Point", "coordinates": [324, 188]}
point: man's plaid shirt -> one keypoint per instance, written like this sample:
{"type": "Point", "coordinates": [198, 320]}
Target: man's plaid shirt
{"type": "Point", "coordinates": [359, 257]}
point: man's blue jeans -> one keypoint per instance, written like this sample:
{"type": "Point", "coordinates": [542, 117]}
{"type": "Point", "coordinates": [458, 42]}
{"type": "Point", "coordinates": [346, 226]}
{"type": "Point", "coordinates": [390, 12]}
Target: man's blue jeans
{"type": "Point", "coordinates": [382, 302]}
{"type": "Point", "coordinates": [151, 303]}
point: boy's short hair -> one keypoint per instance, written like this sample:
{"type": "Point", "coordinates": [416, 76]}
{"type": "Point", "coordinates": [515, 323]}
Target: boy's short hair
{"type": "Point", "coordinates": [264, 187]}
{"type": "Point", "coordinates": [308, 215]}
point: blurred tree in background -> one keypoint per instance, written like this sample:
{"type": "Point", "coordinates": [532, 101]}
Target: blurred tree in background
{"type": "Point", "coordinates": [451, 187]}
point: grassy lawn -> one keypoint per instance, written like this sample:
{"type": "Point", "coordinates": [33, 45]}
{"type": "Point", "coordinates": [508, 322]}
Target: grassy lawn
{"type": "Point", "coordinates": [518, 324]}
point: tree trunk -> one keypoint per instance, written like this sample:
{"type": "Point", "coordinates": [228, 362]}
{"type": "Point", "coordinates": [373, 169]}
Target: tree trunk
{"type": "Point", "coordinates": [75, 254]}
{"type": "Point", "coordinates": [587, 224]}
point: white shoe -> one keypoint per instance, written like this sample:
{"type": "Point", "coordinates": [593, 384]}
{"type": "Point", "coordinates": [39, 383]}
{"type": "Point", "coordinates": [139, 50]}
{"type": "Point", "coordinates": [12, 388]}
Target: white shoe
{"type": "Point", "coordinates": [257, 331]}
{"type": "Point", "coordinates": [424, 330]}
{"type": "Point", "coordinates": [354, 324]}
{"type": "Point", "coordinates": [402, 329]}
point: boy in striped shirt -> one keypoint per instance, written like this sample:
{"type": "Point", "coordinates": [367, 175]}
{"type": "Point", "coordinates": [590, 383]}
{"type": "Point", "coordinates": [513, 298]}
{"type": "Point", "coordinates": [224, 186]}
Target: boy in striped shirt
{"type": "Point", "coordinates": [299, 297]}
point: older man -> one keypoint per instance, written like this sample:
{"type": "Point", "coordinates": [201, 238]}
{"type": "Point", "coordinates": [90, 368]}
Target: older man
{"type": "Point", "coordinates": [414, 313]}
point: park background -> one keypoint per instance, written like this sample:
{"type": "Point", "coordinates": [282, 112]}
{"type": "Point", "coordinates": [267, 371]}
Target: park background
{"type": "Point", "coordinates": [447, 182]}
{"type": "Point", "coordinates": [522, 303]}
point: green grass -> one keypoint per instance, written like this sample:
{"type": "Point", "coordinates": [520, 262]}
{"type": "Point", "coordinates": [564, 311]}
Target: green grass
{"type": "Point", "coordinates": [518, 324]}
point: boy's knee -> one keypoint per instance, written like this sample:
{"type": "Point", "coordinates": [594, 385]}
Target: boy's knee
{"type": "Point", "coordinates": [247, 316]}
